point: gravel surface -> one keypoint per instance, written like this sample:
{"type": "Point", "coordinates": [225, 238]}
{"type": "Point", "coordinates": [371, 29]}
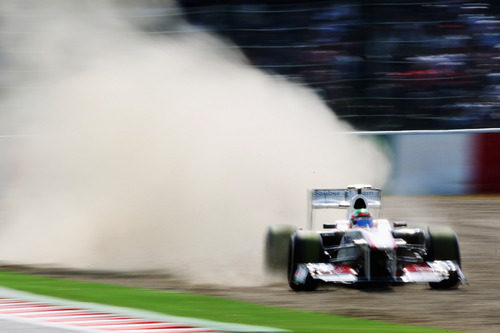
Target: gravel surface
{"type": "Point", "coordinates": [474, 307]}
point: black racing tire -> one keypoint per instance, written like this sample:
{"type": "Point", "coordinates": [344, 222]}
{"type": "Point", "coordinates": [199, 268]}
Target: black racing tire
{"type": "Point", "coordinates": [305, 247]}
{"type": "Point", "coordinates": [442, 244]}
{"type": "Point", "coordinates": [276, 248]}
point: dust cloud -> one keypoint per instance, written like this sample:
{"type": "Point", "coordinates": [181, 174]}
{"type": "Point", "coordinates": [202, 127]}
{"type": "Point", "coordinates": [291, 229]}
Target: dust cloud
{"type": "Point", "coordinates": [139, 151]}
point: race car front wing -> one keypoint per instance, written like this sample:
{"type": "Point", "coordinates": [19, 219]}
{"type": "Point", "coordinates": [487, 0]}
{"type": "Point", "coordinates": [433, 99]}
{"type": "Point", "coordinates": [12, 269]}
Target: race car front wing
{"type": "Point", "coordinates": [431, 271]}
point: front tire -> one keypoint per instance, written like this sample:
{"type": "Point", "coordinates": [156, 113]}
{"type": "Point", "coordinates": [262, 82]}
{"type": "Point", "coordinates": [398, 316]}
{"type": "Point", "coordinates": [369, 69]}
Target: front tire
{"type": "Point", "coordinates": [442, 244]}
{"type": "Point", "coordinates": [305, 247]}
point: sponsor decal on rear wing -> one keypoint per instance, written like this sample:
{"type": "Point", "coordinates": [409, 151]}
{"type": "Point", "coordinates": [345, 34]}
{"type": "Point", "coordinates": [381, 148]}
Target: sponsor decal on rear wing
{"type": "Point", "coordinates": [325, 198]}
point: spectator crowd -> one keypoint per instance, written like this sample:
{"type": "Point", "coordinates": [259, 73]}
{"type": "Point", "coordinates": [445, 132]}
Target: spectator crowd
{"type": "Point", "coordinates": [379, 65]}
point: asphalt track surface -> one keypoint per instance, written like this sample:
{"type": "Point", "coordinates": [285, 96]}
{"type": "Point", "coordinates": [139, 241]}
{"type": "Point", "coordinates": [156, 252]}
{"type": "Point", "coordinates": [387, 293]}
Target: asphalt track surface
{"type": "Point", "coordinates": [17, 327]}
{"type": "Point", "coordinates": [474, 307]}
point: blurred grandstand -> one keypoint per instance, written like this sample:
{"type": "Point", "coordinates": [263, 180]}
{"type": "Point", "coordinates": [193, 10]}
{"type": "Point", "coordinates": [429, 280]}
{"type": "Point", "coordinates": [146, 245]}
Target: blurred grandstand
{"type": "Point", "coordinates": [390, 65]}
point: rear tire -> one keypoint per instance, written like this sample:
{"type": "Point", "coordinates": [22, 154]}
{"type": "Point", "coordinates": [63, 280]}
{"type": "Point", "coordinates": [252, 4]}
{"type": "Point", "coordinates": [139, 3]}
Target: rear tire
{"type": "Point", "coordinates": [276, 248]}
{"type": "Point", "coordinates": [442, 244]}
{"type": "Point", "coordinates": [305, 247]}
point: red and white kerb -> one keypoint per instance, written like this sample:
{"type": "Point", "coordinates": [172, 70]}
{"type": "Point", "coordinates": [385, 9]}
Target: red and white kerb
{"type": "Point", "coordinates": [87, 320]}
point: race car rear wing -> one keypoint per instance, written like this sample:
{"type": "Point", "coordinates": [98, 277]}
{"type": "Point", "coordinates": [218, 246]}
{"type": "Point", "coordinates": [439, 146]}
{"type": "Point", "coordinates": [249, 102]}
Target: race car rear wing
{"type": "Point", "coordinates": [321, 198]}
{"type": "Point", "coordinates": [344, 198]}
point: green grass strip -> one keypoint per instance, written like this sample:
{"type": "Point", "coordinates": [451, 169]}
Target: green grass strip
{"type": "Point", "coordinates": [199, 306]}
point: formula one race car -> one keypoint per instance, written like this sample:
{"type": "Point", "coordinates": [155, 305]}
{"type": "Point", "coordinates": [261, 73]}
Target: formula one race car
{"type": "Point", "coordinates": [362, 249]}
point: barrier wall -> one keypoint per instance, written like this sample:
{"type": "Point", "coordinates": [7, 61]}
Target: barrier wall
{"type": "Point", "coordinates": [486, 154]}
{"type": "Point", "coordinates": [445, 164]}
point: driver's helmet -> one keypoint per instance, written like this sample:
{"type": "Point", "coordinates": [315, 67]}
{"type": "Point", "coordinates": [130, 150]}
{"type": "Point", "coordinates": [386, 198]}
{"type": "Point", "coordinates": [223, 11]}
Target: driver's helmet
{"type": "Point", "coordinates": [361, 218]}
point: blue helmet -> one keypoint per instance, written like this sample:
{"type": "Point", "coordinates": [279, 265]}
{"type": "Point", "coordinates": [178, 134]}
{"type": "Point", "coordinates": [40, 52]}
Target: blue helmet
{"type": "Point", "coordinates": [362, 218]}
